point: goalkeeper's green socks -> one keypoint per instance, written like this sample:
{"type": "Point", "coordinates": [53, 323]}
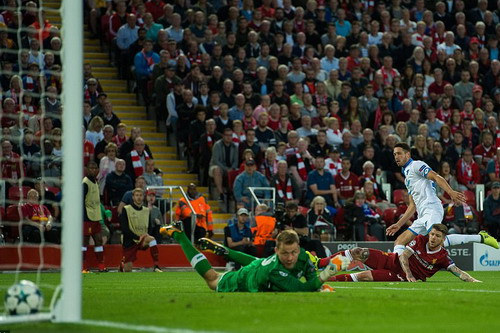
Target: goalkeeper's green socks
{"type": "Point", "coordinates": [198, 261]}
{"type": "Point", "coordinates": [241, 258]}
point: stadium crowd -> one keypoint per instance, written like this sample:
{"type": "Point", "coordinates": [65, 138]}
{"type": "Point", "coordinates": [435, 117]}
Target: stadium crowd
{"type": "Point", "coordinates": [306, 96]}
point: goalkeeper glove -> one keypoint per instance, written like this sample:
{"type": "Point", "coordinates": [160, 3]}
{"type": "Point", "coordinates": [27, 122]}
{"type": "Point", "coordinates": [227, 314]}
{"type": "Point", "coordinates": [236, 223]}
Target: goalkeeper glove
{"type": "Point", "coordinates": [326, 288]}
{"type": "Point", "coordinates": [328, 272]}
{"type": "Point", "coordinates": [341, 262]}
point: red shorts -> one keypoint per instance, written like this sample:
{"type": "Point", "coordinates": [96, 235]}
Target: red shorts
{"type": "Point", "coordinates": [130, 253]}
{"type": "Point", "coordinates": [91, 228]}
{"type": "Point", "coordinates": [385, 266]}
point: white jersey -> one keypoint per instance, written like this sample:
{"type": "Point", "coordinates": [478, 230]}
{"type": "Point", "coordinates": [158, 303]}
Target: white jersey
{"type": "Point", "coordinates": [422, 190]}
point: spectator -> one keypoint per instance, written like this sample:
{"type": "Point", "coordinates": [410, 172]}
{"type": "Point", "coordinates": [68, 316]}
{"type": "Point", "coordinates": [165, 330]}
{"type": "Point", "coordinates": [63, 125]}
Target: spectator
{"type": "Point", "coordinates": [301, 163]}
{"type": "Point", "coordinates": [224, 159]}
{"type": "Point", "coordinates": [106, 165]}
{"type": "Point", "coordinates": [94, 134]}
{"type": "Point", "coordinates": [153, 176]}
{"type": "Point", "coordinates": [12, 165]}
{"type": "Point", "coordinates": [492, 210]}
{"type": "Point", "coordinates": [358, 213]}
{"type": "Point", "coordinates": [264, 230]}
{"type": "Point", "coordinates": [346, 181]}
{"type": "Point", "coordinates": [108, 116]}
{"type": "Point", "coordinates": [269, 167]}
{"type": "Point", "coordinates": [286, 187]}
{"type": "Point", "coordinates": [467, 171]}
{"type": "Point", "coordinates": [136, 159]}
{"type": "Point", "coordinates": [484, 152]}
{"type": "Point", "coordinates": [128, 145]}
{"type": "Point", "coordinates": [100, 147]}
{"type": "Point", "coordinates": [204, 221]}
{"type": "Point", "coordinates": [321, 183]}
{"type": "Point", "coordinates": [118, 183]}
{"type": "Point", "coordinates": [37, 221]}
{"type": "Point", "coordinates": [320, 220]}
{"type": "Point", "coordinates": [121, 136]}
{"type": "Point", "coordinates": [493, 168]}
{"type": "Point", "coordinates": [321, 147]}
{"type": "Point", "coordinates": [247, 179]}
{"type": "Point", "coordinates": [240, 237]}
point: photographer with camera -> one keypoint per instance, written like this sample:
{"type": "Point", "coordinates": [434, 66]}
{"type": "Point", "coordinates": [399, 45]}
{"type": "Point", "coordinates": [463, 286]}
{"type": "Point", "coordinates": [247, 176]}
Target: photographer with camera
{"type": "Point", "coordinates": [291, 219]}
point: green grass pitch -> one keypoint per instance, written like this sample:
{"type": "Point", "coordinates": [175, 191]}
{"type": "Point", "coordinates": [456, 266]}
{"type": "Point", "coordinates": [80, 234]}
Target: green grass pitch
{"type": "Point", "coordinates": [181, 302]}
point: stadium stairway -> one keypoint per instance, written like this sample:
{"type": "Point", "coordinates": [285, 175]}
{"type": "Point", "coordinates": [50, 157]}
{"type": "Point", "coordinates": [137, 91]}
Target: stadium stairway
{"type": "Point", "coordinates": [126, 107]}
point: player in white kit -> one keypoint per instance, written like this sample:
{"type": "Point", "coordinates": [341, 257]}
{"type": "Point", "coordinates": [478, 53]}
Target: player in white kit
{"type": "Point", "coordinates": [421, 180]}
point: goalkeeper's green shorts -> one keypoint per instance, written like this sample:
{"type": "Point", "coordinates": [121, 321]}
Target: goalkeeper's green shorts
{"type": "Point", "coordinates": [228, 282]}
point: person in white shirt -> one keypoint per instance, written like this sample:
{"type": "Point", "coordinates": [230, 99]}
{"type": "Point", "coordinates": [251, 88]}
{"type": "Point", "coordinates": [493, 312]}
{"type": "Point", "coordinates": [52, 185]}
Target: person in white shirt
{"type": "Point", "coordinates": [421, 180]}
{"type": "Point", "coordinates": [448, 46]}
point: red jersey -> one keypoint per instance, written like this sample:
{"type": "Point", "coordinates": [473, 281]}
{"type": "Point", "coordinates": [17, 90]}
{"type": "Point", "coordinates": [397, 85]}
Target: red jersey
{"type": "Point", "coordinates": [425, 263]}
{"type": "Point", "coordinates": [484, 154]}
{"type": "Point", "coordinates": [12, 167]}
{"type": "Point", "coordinates": [88, 149]}
{"type": "Point", "coordinates": [35, 212]}
{"type": "Point", "coordinates": [347, 185]}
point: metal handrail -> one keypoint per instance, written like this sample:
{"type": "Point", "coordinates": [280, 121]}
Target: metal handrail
{"type": "Point", "coordinates": [170, 189]}
{"type": "Point", "coordinates": [254, 196]}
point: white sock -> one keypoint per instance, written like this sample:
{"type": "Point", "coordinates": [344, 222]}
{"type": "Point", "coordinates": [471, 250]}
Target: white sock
{"type": "Point", "coordinates": [152, 243]}
{"type": "Point", "coordinates": [354, 277]}
{"type": "Point", "coordinates": [461, 239]}
{"type": "Point", "coordinates": [399, 249]}
{"type": "Point", "coordinates": [99, 249]}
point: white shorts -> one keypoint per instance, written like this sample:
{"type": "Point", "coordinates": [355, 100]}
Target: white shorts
{"type": "Point", "coordinates": [424, 223]}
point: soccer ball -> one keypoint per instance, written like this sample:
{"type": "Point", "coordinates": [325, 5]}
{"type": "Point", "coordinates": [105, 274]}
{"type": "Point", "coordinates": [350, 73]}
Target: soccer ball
{"type": "Point", "coordinates": [23, 298]}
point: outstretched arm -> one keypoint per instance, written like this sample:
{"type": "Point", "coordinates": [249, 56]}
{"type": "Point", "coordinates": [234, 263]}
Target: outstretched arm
{"type": "Point", "coordinates": [405, 265]}
{"type": "Point", "coordinates": [410, 211]}
{"type": "Point", "coordinates": [462, 275]}
{"type": "Point", "coordinates": [457, 197]}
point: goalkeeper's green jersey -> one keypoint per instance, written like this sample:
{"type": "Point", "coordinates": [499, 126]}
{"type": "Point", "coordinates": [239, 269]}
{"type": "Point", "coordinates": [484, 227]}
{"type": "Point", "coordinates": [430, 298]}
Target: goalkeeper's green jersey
{"type": "Point", "coordinates": [268, 274]}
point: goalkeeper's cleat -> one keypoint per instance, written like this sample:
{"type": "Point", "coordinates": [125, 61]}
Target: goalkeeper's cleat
{"type": "Point", "coordinates": [340, 262]}
{"type": "Point", "coordinates": [488, 240]}
{"type": "Point", "coordinates": [157, 269]}
{"type": "Point", "coordinates": [314, 259]}
{"type": "Point", "coordinates": [85, 271]}
{"type": "Point", "coordinates": [326, 288]}
{"type": "Point", "coordinates": [169, 230]}
{"type": "Point", "coordinates": [209, 245]}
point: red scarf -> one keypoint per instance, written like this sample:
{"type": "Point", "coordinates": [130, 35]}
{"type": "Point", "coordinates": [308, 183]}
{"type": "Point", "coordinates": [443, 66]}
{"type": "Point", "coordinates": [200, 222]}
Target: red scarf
{"type": "Point", "coordinates": [467, 171]}
{"type": "Point", "coordinates": [237, 139]}
{"type": "Point", "coordinates": [301, 166]}
{"type": "Point", "coordinates": [210, 141]}
{"type": "Point", "coordinates": [116, 139]}
{"type": "Point", "coordinates": [281, 194]}
{"type": "Point", "coordinates": [393, 73]}
{"type": "Point", "coordinates": [149, 60]}
{"type": "Point", "coordinates": [136, 162]}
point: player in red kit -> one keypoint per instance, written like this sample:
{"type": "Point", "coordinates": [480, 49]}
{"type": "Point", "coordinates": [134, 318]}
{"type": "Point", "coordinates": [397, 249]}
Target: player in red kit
{"type": "Point", "coordinates": [346, 182]}
{"type": "Point", "coordinates": [422, 258]}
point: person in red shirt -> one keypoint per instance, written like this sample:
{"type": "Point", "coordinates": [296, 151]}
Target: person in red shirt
{"type": "Point", "coordinates": [36, 220]}
{"type": "Point", "coordinates": [485, 151]}
{"type": "Point", "coordinates": [346, 182]}
{"type": "Point", "coordinates": [10, 162]}
{"type": "Point", "coordinates": [467, 172]}
{"type": "Point", "coordinates": [422, 258]}
{"type": "Point", "coordinates": [155, 7]}
{"type": "Point", "coordinates": [436, 89]}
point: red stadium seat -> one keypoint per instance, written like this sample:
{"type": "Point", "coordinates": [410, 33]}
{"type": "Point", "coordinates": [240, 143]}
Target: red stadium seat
{"type": "Point", "coordinates": [11, 228]}
{"type": "Point", "coordinates": [470, 198]}
{"type": "Point", "coordinates": [398, 197]}
{"type": "Point", "coordinates": [53, 189]}
{"type": "Point", "coordinates": [13, 213]}
{"type": "Point", "coordinates": [2, 213]}
{"type": "Point", "coordinates": [389, 216]}
{"type": "Point", "coordinates": [18, 192]}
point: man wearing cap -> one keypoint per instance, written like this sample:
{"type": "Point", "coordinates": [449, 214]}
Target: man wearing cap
{"type": "Point", "coordinates": [249, 178]}
{"type": "Point", "coordinates": [204, 221]}
{"type": "Point", "coordinates": [137, 227]}
{"type": "Point", "coordinates": [239, 236]}
{"type": "Point", "coordinates": [492, 210]}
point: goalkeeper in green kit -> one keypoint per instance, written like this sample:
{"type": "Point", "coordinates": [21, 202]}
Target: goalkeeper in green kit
{"type": "Point", "coordinates": [289, 269]}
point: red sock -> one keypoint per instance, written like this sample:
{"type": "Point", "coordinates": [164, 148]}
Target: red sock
{"type": "Point", "coordinates": [154, 254]}
{"type": "Point", "coordinates": [100, 259]}
{"type": "Point", "coordinates": [323, 262]}
{"type": "Point", "coordinates": [341, 277]}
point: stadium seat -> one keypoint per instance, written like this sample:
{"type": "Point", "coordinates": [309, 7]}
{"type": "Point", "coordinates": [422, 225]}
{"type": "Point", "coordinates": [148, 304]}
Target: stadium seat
{"type": "Point", "coordinates": [18, 192]}
{"type": "Point", "coordinates": [389, 216]}
{"type": "Point", "coordinates": [53, 189]}
{"type": "Point", "coordinates": [470, 198]}
{"type": "Point", "coordinates": [11, 229]}
{"type": "Point", "coordinates": [398, 197]}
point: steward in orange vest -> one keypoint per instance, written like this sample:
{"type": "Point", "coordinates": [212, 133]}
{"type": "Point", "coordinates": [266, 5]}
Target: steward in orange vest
{"type": "Point", "coordinates": [265, 226]}
{"type": "Point", "coordinates": [204, 221]}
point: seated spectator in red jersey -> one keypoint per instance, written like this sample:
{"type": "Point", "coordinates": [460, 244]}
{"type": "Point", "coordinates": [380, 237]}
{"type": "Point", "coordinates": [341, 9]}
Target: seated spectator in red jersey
{"type": "Point", "coordinates": [36, 219]}
{"type": "Point", "coordinates": [11, 163]}
{"type": "Point", "coordinates": [346, 182]}
{"type": "Point", "coordinates": [423, 258]}
{"type": "Point", "coordinates": [274, 117]}
{"type": "Point", "coordinates": [467, 172]}
{"type": "Point", "coordinates": [436, 89]}
{"type": "Point", "coordinates": [485, 151]}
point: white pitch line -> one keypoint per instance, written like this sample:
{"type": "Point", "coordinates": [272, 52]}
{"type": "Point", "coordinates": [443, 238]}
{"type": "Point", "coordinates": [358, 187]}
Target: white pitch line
{"type": "Point", "coordinates": [421, 289]}
{"type": "Point", "coordinates": [139, 328]}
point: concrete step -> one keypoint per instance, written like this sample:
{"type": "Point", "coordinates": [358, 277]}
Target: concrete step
{"type": "Point", "coordinates": [164, 154]}
{"type": "Point", "coordinates": [132, 115]}
{"type": "Point", "coordinates": [181, 176]}
{"type": "Point", "coordinates": [119, 89]}
{"type": "Point", "coordinates": [148, 123]}
{"type": "Point", "coordinates": [105, 75]}
{"type": "Point", "coordinates": [171, 163]}
{"type": "Point", "coordinates": [172, 169]}
{"type": "Point", "coordinates": [95, 55]}
{"type": "Point", "coordinates": [113, 82]}
{"type": "Point", "coordinates": [158, 136]}
{"type": "Point", "coordinates": [176, 182]}
{"type": "Point", "coordinates": [160, 148]}
{"type": "Point", "coordinates": [97, 62]}
{"type": "Point", "coordinates": [123, 109]}
{"type": "Point", "coordinates": [124, 96]}
{"type": "Point", "coordinates": [55, 5]}
{"type": "Point", "coordinates": [105, 70]}
{"type": "Point", "coordinates": [91, 48]}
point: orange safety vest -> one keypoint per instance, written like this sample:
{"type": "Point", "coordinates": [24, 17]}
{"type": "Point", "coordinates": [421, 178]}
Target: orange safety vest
{"type": "Point", "coordinates": [264, 229]}
{"type": "Point", "coordinates": [200, 207]}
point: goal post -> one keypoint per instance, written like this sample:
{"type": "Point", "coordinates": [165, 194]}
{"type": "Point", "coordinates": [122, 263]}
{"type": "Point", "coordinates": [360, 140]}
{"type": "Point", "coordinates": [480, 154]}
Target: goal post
{"type": "Point", "coordinates": [69, 306]}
